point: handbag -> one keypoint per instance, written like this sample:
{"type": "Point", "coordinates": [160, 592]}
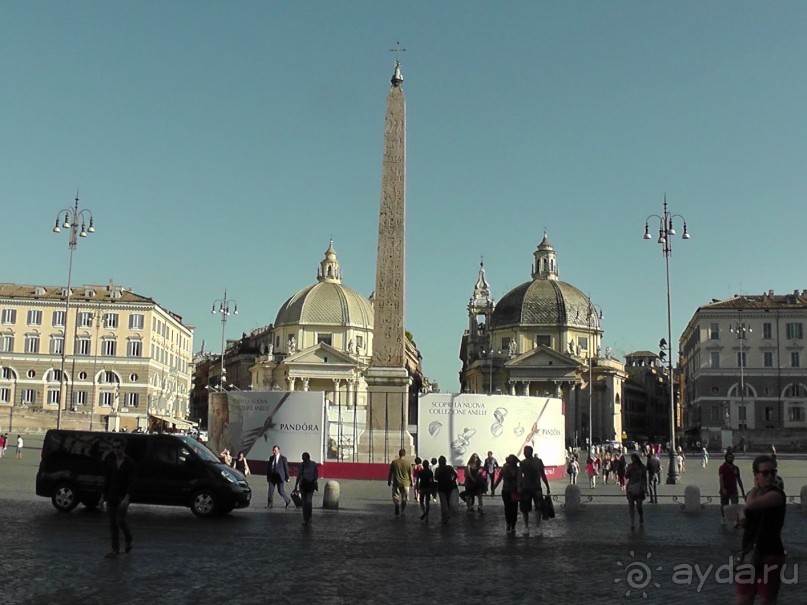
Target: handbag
{"type": "Point", "coordinates": [515, 496]}
{"type": "Point", "coordinates": [548, 508]}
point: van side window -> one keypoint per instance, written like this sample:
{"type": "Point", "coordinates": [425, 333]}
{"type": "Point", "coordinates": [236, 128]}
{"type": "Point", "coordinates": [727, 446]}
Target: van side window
{"type": "Point", "coordinates": [165, 452]}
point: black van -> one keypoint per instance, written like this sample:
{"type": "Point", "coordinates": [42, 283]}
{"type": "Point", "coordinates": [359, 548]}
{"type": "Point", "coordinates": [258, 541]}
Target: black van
{"type": "Point", "coordinates": [169, 469]}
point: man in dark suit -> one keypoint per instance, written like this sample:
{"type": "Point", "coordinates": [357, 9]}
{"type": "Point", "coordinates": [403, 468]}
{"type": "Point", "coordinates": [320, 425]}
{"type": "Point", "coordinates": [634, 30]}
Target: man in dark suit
{"type": "Point", "coordinates": [277, 475]}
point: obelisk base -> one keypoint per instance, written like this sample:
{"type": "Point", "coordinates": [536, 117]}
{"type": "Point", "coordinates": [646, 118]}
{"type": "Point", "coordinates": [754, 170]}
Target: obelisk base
{"type": "Point", "coordinates": [387, 415]}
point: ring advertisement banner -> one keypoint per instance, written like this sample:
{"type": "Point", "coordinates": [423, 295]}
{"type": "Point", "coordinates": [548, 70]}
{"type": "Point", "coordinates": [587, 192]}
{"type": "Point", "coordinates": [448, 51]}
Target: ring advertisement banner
{"type": "Point", "coordinates": [254, 421]}
{"type": "Point", "coordinates": [457, 425]}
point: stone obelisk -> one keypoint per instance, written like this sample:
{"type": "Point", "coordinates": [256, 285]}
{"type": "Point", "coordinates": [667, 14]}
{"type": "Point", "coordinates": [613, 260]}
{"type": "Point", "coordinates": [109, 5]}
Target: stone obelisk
{"type": "Point", "coordinates": [387, 377]}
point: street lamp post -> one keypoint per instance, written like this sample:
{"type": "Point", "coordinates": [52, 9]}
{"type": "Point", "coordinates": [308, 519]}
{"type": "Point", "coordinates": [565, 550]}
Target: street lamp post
{"type": "Point", "coordinates": [73, 217]}
{"type": "Point", "coordinates": [741, 330]}
{"type": "Point", "coordinates": [593, 312]}
{"type": "Point", "coordinates": [666, 232]}
{"type": "Point", "coordinates": [226, 306]}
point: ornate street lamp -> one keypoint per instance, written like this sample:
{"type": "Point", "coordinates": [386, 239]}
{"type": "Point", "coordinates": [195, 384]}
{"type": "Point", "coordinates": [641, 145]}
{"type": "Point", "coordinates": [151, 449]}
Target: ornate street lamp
{"type": "Point", "coordinates": [741, 330]}
{"type": "Point", "coordinates": [73, 217]}
{"type": "Point", "coordinates": [225, 308]}
{"type": "Point", "coordinates": [666, 231]}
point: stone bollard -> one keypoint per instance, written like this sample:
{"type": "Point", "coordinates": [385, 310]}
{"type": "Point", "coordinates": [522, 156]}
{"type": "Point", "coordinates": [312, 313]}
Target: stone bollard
{"type": "Point", "coordinates": [330, 497]}
{"type": "Point", "coordinates": [692, 499]}
{"type": "Point", "coordinates": [572, 497]}
{"type": "Point", "coordinates": [804, 498]}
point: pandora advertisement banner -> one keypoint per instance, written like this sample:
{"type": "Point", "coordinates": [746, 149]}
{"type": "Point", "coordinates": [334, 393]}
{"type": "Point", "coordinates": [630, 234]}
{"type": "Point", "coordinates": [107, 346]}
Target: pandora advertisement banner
{"type": "Point", "coordinates": [457, 425]}
{"type": "Point", "coordinates": [254, 421]}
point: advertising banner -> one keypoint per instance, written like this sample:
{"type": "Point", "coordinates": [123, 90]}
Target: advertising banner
{"type": "Point", "coordinates": [254, 421]}
{"type": "Point", "coordinates": [457, 425]}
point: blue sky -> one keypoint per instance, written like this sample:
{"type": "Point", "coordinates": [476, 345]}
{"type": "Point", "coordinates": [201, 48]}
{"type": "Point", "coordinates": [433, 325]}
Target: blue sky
{"type": "Point", "coordinates": [221, 145]}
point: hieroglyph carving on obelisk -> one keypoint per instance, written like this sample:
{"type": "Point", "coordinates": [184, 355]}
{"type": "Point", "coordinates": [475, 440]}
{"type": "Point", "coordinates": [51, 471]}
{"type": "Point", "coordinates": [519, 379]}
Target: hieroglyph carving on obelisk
{"type": "Point", "coordinates": [388, 329]}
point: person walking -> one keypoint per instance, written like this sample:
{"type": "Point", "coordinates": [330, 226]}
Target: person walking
{"type": "Point", "coordinates": [704, 457]}
{"type": "Point", "coordinates": [531, 473]}
{"type": "Point", "coordinates": [490, 465]}
{"type": "Point", "coordinates": [425, 487]}
{"type": "Point", "coordinates": [240, 464]}
{"type": "Point", "coordinates": [306, 484]}
{"type": "Point", "coordinates": [277, 475]}
{"type": "Point", "coordinates": [653, 475]}
{"type": "Point", "coordinates": [636, 488]}
{"type": "Point", "coordinates": [400, 479]}
{"type": "Point", "coordinates": [3, 444]}
{"type": "Point", "coordinates": [762, 518]}
{"type": "Point", "coordinates": [446, 478]}
{"type": "Point", "coordinates": [728, 476]}
{"type": "Point", "coordinates": [117, 483]}
{"type": "Point", "coordinates": [18, 453]}
{"type": "Point", "coordinates": [475, 483]}
{"type": "Point", "coordinates": [508, 476]}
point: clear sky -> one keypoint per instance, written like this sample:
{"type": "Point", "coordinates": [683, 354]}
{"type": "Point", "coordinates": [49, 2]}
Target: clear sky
{"type": "Point", "coordinates": [222, 144]}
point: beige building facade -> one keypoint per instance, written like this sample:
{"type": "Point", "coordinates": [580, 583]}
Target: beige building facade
{"type": "Point", "coordinates": [123, 352]}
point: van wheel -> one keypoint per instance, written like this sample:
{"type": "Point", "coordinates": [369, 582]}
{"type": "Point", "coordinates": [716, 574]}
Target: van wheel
{"type": "Point", "coordinates": [91, 501]}
{"type": "Point", "coordinates": [64, 498]}
{"type": "Point", "coordinates": [204, 503]}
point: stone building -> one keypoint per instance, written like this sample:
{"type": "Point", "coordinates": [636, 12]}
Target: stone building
{"type": "Point", "coordinates": [122, 352]}
{"type": "Point", "coordinates": [646, 398]}
{"type": "Point", "coordinates": [745, 371]}
{"type": "Point", "coordinates": [543, 338]}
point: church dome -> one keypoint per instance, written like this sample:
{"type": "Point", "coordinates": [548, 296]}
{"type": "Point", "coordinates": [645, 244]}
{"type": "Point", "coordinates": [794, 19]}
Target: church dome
{"type": "Point", "coordinates": [327, 302]}
{"type": "Point", "coordinates": [544, 301]}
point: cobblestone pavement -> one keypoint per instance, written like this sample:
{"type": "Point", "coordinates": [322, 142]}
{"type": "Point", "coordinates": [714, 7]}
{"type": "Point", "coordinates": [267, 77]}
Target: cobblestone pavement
{"type": "Point", "coordinates": [363, 554]}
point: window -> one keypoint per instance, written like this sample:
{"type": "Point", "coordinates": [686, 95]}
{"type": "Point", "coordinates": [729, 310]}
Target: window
{"type": "Point", "coordinates": [505, 343]}
{"type": "Point", "coordinates": [130, 400]}
{"type": "Point", "coordinates": [6, 343]}
{"type": "Point", "coordinates": [82, 375]}
{"type": "Point", "coordinates": [794, 359]}
{"type": "Point", "coordinates": [325, 338]}
{"type": "Point", "coordinates": [9, 316]}
{"type": "Point", "coordinates": [108, 347]}
{"type": "Point", "coordinates": [136, 321]}
{"type": "Point", "coordinates": [360, 342]}
{"type": "Point", "coordinates": [768, 414]}
{"type": "Point", "coordinates": [766, 331]}
{"type": "Point", "coordinates": [85, 319]}
{"type": "Point", "coordinates": [5, 395]}
{"type": "Point", "coordinates": [134, 348]}
{"type": "Point", "coordinates": [31, 373]}
{"type": "Point", "coordinates": [741, 411]}
{"type": "Point", "coordinates": [32, 343]}
{"type": "Point", "coordinates": [57, 319]}
{"type": "Point", "coordinates": [56, 345]}
{"type": "Point", "coordinates": [34, 317]}
{"type": "Point", "coordinates": [582, 343]}
{"type": "Point", "coordinates": [741, 359]}
{"type": "Point", "coordinates": [543, 340]}
{"type": "Point", "coordinates": [794, 331]}
{"type": "Point", "coordinates": [714, 359]}
{"type": "Point", "coordinates": [106, 399]}
{"type": "Point", "coordinates": [79, 397]}
{"type": "Point", "coordinates": [6, 373]}
{"type": "Point", "coordinates": [83, 345]}
{"type": "Point", "coordinates": [109, 377]}
{"type": "Point", "coordinates": [110, 320]}
{"type": "Point", "coordinates": [714, 331]}
{"type": "Point", "coordinates": [53, 395]}
{"type": "Point", "coordinates": [767, 359]}
{"type": "Point", "coordinates": [28, 396]}
{"type": "Point", "coordinates": [133, 377]}
{"type": "Point", "coordinates": [796, 414]}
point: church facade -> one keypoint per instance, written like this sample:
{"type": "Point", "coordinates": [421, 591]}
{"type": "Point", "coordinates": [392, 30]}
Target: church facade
{"type": "Point", "coordinates": [543, 338]}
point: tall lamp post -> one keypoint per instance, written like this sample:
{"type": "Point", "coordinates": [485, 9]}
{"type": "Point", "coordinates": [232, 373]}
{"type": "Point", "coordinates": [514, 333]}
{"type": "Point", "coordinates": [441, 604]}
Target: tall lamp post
{"type": "Point", "coordinates": [593, 312]}
{"type": "Point", "coordinates": [666, 231]}
{"type": "Point", "coordinates": [73, 217]}
{"type": "Point", "coordinates": [741, 330]}
{"type": "Point", "coordinates": [226, 306]}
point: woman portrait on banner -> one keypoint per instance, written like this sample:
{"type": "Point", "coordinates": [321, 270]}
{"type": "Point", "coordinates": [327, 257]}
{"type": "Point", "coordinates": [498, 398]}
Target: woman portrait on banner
{"type": "Point", "coordinates": [307, 484]}
{"type": "Point", "coordinates": [636, 488]}
{"type": "Point", "coordinates": [760, 571]}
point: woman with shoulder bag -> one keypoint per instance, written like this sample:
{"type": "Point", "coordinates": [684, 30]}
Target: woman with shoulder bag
{"type": "Point", "coordinates": [306, 484]}
{"type": "Point", "coordinates": [510, 496]}
{"type": "Point", "coordinates": [762, 518]}
{"type": "Point", "coordinates": [474, 483]}
{"type": "Point", "coordinates": [636, 489]}
{"type": "Point", "coordinates": [446, 478]}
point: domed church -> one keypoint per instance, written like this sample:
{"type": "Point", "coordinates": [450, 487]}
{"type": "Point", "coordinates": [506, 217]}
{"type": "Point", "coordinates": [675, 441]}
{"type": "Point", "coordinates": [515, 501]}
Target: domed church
{"type": "Point", "coordinates": [543, 338]}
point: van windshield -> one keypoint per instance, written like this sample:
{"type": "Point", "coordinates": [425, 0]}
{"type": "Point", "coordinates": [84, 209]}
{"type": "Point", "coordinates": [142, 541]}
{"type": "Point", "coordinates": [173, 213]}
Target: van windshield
{"type": "Point", "coordinates": [199, 449]}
